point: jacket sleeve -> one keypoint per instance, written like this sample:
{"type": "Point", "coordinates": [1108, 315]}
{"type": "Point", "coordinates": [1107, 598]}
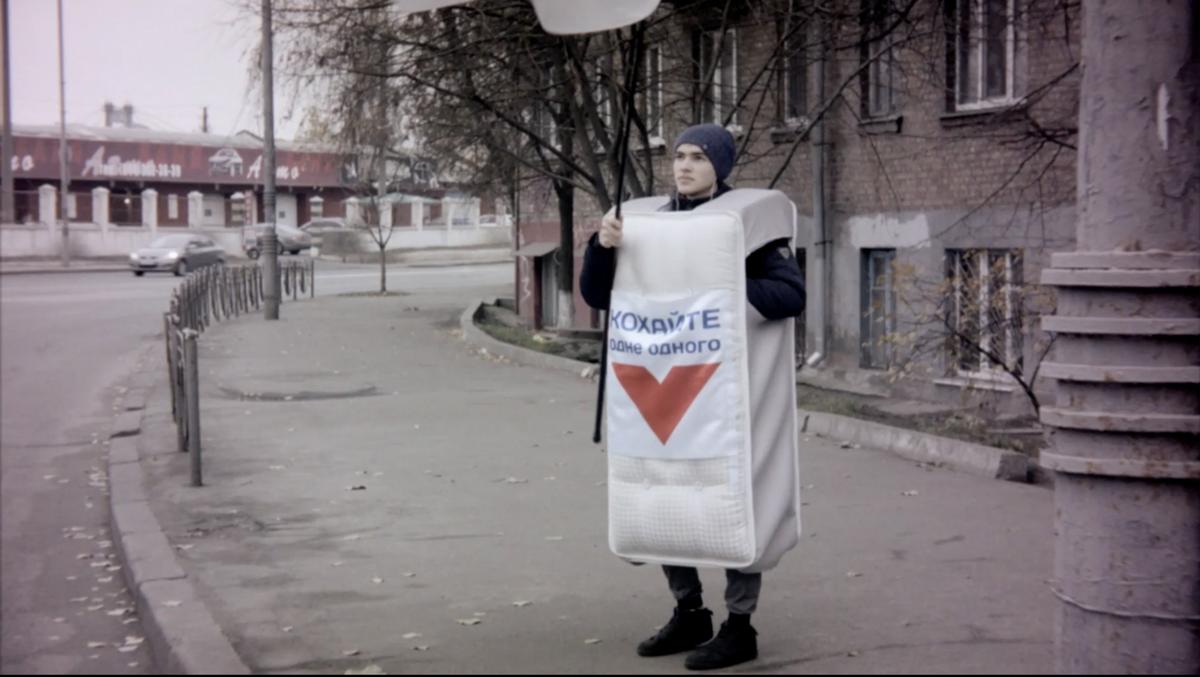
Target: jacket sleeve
{"type": "Point", "coordinates": [596, 278]}
{"type": "Point", "coordinates": [774, 285]}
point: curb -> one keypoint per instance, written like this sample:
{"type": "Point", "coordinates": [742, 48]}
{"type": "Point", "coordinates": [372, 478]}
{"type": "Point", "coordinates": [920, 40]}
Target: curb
{"type": "Point", "coordinates": [182, 634]}
{"type": "Point", "coordinates": [976, 459]}
{"type": "Point", "coordinates": [530, 358]}
{"type": "Point", "coordinates": [968, 457]}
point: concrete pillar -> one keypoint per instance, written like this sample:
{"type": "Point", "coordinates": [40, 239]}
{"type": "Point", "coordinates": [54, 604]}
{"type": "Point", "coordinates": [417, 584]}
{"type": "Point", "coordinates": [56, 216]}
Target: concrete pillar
{"type": "Point", "coordinates": [316, 207]}
{"type": "Point", "coordinates": [353, 211]}
{"type": "Point", "coordinates": [150, 209]}
{"type": "Point", "coordinates": [1125, 422]}
{"type": "Point", "coordinates": [195, 209]}
{"type": "Point", "coordinates": [48, 205]}
{"type": "Point", "coordinates": [448, 214]}
{"type": "Point", "coordinates": [418, 214]}
{"type": "Point", "coordinates": [100, 205]}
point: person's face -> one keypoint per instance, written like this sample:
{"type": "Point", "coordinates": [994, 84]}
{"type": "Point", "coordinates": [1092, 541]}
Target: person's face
{"type": "Point", "coordinates": [694, 174]}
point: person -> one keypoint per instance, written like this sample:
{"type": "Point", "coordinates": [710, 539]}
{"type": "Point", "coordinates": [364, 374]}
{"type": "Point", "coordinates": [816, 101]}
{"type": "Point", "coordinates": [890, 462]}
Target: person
{"type": "Point", "coordinates": [704, 157]}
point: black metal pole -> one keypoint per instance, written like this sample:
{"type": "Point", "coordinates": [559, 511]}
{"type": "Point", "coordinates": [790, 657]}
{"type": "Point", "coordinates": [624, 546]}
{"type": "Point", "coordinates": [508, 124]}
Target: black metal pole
{"type": "Point", "coordinates": [639, 32]}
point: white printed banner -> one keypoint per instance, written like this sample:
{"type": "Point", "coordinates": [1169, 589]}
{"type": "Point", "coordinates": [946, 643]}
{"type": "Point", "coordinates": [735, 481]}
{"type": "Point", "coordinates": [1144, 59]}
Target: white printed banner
{"type": "Point", "coordinates": [673, 375]}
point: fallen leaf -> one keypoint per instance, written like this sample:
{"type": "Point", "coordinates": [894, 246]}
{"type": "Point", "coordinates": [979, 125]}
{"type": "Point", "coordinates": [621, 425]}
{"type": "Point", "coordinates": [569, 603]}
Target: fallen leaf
{"type": "Point", "coordinates": [410, 635]}
{"type": "Point", "coordinates": [106, 579]}
{"type": "Point", "coordinates": [337, 564]}
{"type": "Point", "coordinates": [352, 537]}
{"type": "Point", "coordinates": [96, 645]}
{"type": "Point", "coordinates": [852, 654]}
{"type": "Point", "coordinates": [592, 641]}
{"type": "Point", "coordinates": [468, 621]}
{"type": "Point", "coordinates": [95, 607]}
{"type": "Point", "coordinates": [409, 574]}
{"type": "Point", "coordinates": [514, 480]}
{"type": "Point", "coordinates": [421, 647]}
{"type": "Point", "coordinates": [368, 670]}
{"type": "Point", "coordinates": [60, 619]}
{"type": "Point", "coordinates": [79, 600]}
{"type": "Point", "coordinates": [188, 546]}
{"type": "Point", "coordinates": [172, 603]}
{"type": "Point", "coordinates": [844, 445]}
{"type": "Point", "coordinates": [117, 612]}
{"type": "Point", "coordinates": [357, 487]}
{"type": "Point", "coordinates": [288, 628]}
{"type": "Point", "coordinates": [351, 652]}
{"type": "Point", "coordinates": [909, 493]}
{"type": "Point", "coordinates": [377, 580]}
{"type": "Point", "coordinates": [522, 603]}
{"type": "Point", "coordinates": [134, 639]}
{"type": "Point", "coordinates": [853, 574]}
{"type": "Point", "coordinates": [127, 648]}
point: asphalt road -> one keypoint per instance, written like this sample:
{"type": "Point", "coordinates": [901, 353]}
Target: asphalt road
{"type": "Point", "coordinates": [67, 342]}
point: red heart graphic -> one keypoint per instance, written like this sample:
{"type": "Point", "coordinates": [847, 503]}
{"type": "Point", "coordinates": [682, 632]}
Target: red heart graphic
{"type": "Point", "coordinates": [664, 404]}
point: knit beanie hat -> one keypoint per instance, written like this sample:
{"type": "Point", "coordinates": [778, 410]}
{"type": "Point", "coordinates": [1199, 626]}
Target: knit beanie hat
{"type": "Point", "coordinates": [716, 142]}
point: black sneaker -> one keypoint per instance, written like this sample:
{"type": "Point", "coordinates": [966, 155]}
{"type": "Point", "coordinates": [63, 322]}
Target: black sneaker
{"type": "Point", "coordinates": [687, 629]}
{"type": "Point", "coordinates": [731, 646]}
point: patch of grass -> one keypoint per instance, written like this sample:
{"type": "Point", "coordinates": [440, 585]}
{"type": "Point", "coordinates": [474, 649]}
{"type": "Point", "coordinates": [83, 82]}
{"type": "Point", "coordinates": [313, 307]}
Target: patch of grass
{"type": "Point", "coordinates": [518, 337]}
{"type": "Point", "coordinates": [373, 294]}
{"type": "Point", "coordinates": [958, 425]}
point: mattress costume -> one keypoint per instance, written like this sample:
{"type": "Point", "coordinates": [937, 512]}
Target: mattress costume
{"type": "Point", "coordinates": [703, 467]}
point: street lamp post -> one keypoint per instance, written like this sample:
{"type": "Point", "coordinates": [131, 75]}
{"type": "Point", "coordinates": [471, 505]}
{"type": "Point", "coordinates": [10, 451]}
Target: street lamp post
{"type": "Point", "coordinates": [270, 249]}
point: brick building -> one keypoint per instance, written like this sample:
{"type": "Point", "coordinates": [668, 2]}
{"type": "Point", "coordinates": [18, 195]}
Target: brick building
{"type": "Point", "coordinates": [945, 149]}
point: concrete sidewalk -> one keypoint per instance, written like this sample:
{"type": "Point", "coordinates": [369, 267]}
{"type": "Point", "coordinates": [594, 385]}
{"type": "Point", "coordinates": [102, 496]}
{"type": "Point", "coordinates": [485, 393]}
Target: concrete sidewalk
{"type": "Point", "coordinates": [403, 501]}
{"type": "Point", "coordinates": [93, 265]}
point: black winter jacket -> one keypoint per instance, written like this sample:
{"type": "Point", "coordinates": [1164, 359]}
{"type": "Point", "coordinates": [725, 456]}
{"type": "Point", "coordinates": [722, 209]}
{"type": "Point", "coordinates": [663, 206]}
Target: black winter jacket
{"type": "Point", "coordinates": [774, 285]}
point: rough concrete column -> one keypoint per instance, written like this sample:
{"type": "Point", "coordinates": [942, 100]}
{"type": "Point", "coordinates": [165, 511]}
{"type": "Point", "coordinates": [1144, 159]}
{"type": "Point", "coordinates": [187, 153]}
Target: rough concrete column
{"type": "Point", "coordinates": [316, 206]}
{"type": "Point", "coordinates": [150, 209]}
{"type": "Point", "coordinates": [48, 205]}
{"type": "Point", "coordinates": [418, 214]}
{"type": "Point", "coordinates": [448, 214]}
{"type": "Point", "coordinates": [100, 205]}
{"type": "Point", "coordinates": [474, 212]}
{"type": "Point", "coordinates": [1125, 421]}
{"type": "Point", "coordinates": [195, 209]}
{"type": "Point", "coordinates": [353, 211]}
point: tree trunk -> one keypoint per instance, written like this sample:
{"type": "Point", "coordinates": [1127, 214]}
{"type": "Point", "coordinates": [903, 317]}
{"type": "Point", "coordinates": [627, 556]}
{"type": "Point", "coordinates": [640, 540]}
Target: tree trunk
{"type": "Point", "coordinates": [382, 270]}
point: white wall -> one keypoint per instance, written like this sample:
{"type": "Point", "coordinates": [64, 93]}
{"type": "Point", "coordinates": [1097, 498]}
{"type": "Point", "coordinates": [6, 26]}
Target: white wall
{"type": "Point", "coordinates": [88, 239]}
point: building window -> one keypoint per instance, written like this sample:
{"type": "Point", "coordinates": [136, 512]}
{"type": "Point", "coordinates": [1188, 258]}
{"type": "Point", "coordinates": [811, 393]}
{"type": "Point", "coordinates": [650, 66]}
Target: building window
{"type": "Point", "coordinates": [794, 89]}
{"type": "Point", "coordinates": [984, 55]}
{"type": "Point", "coordinates": [422, 173]}
{"type": "Point", "coordinates": [718, 77]}
{"type": "Point", "coordinates": [878, 50]}
{"type": "Point", "coordinates": [878, 318]}
{"type": "Point", "coordinates": [652, 100]}
{"type": "Point", "coordinates": [172, 206]}
{"type": "Point", "coordinates": [602, 77]}
{"type": "Point", "coordinates": [985, 316]}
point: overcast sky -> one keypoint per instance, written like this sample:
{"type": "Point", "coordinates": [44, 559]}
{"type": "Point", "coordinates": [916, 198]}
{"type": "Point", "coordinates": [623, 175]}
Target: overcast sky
{"type": "Point", "coordinates": [168, 58]}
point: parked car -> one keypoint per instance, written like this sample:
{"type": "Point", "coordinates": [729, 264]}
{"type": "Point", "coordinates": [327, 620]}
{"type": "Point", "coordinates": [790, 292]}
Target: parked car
{"type": "Point", "coordinates": [324, 223]}
{"type": "Point", "coordinates": [288, 239]}
{"type": "Point", "coordinates": [177, 254]}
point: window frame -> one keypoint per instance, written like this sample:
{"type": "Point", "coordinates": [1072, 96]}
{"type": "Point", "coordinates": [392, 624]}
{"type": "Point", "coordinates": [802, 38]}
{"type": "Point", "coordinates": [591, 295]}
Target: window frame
{"type": "Point", "coordinates": [710, 95]}
{"type": "Point", "coordinates": [1014, 342]}
{"type": "Point", "coordinates": [870, 259]}
{"type": "Point", "coordinates": [795, 58]}
{"type": "Point", "coordinates": [873, 15]}
{"type": "Point", "coordinates": [978, 8]}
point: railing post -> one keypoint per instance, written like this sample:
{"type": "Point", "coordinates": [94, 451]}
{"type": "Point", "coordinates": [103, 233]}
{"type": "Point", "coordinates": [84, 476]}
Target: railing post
{"type": "Point", "coordinates": [191, 378]}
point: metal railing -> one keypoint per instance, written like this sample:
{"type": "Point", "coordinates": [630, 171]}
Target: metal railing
{"type": "Point", "coordinates": [206, 296]}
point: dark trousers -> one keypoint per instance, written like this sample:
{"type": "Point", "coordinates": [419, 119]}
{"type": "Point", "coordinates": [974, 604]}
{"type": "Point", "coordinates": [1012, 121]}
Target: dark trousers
{"type": "Point", "coordinates": [741, 590]}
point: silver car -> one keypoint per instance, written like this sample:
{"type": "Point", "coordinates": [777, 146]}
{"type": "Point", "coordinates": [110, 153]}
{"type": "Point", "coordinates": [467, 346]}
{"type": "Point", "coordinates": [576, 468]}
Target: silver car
{"type": "Point", "coordinates": [176, 254]}
{"type": "Point", "coordinates": [289, 239]}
